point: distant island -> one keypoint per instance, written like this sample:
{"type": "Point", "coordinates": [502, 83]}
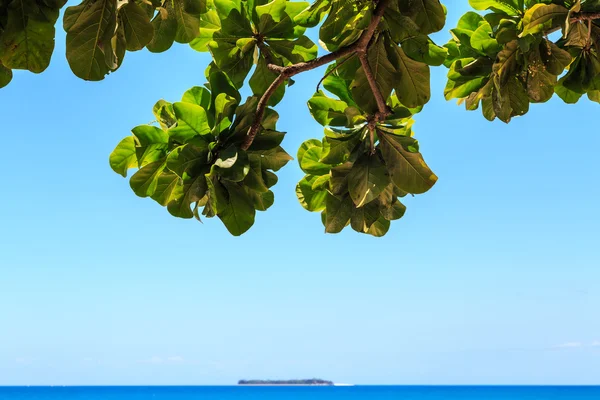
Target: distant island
{"type": "Point", "coordinates": [302, 382]}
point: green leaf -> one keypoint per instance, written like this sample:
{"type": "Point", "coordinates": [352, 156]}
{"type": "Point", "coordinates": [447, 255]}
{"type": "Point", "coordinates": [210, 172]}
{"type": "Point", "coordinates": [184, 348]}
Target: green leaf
{"type": "Point", "coordinates": [187, 15]}
{"type": "Point", "coordinates": [305, 146]}
{"type": "Point", "coordinates": [254, 179]}
{"type": "Point", "coordinates": [232, 164]}
{"type": "Point", "coordinates": [136, 23]}
{"type": "Point", "coordinates": [555, 59]}
{"type": "Point", "coordinates": [124, 156]}
{"type": "Point", "coordinates": [384, 73]}
{"type": "Point", "coordinates": [483, 41]}
{"type": "Point", "coordinates": [272, 16]}
{"type": "Point", "coordinates": [261, 201]}
{"type": "Point", "coordinates": [463, 86]}
{"type": "Point", "coordinates": [344, 23]}
{"type": "Point", "coordinates": [567, 95]}
{"type": "Point", "coordinates": [406, 166]}
{"type": "Point", "coordinates": [5, 76]}
{"type": "Point", "coordinates": [224, 108]}
{"type": "Point", "coordinates": [510, 100]}
{"type": "Point", "coordinates": [364, 217]}
{"type": "Point", "coordinates": [321, 183]}
{"type": "Point", "coordinates": [183, 195]}
{"type": "Point", "coordinates": [394, 211]}
{"type": "Point", "coordinates": [421, 48]}
{"type": "Point", "coordinates": [26, 36]}
{"type": "Point", "coordinates": [234, 19]}
{"type": "Point", "coordinates": [267, 140]}
{"type": "Point", "coordinates": [311, 16]}
{"type": "Point", "coordinates": [367, 179]}
{"type": "Point", "coordinates": [338, 85]}
{"type": "Point", "coordinates": [429, 15]}
{"type": "Point", "coordinates": [262, 79]}
{"type": "Point", "coordinates": [217, 194]}
{"type": "Point", "coordinates": [338, 183]}
{"type": "Point", "coordinates": [190, 159]}
{"type": "Point", "coordinates": [152, 144]}
{"type": "Point", "coordinates": [273, 159]}
{"type": "Point", "coordinates": [89, 38]}
{"type": "Point", "coordinates": [210, 23]}
{"type": "Point", "coordinates": [327, 111]}
{"type": "Point", "coordinates": [309, 198]}
{"type": "Point", "coordinates": [311, 164]}
{"type": "Point", "coordinates": [234, 61]}
{"type": "Point", "coordinates": [239, 212]}
{"type": "Point", "coordinates": [144, 182]}
{"type": "Point", "coordinates": [191, 121]}
{"type": "Point", "coordinates": [165, 30]}
{"type": "Point", "coordinates": [411, 79]}
{"type": "Point", "coordinates": [199, 96]}
{"type": "Point", "coordinates": [506, 62]}
{"type": "Point", "coordinates": [164, 113]}
{"type": "Point", "coordinates": [540, 17]}
{"type": "Point", "coordinates": [220, 83]}
{"type": "Point", "coordinates": [165, 186]}
{"type": "Point", "coordinates": [148, 134]}
{"type": "Point", "coordinates": [511, 7]}
{"type": "Point", "coordinates": [294, 51]}
{"type": "Point", "coordinates": [338, 213]}
{"type": "Point", "coordinates": [379, 228]}
{"type": "Point", "coordinates": [338, 150]}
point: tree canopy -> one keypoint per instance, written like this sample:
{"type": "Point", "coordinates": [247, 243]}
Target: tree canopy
{"type": "Point", "coordinates": [215, 154]}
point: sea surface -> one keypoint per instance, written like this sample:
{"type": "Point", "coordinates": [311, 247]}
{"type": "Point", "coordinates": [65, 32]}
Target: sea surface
{"type": "Point", "coordinates": [303, 393]}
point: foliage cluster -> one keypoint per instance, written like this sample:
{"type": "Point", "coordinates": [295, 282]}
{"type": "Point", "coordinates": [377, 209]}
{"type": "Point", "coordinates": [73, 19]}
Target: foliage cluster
{"type": "Point", "coordinates": [213, 154]}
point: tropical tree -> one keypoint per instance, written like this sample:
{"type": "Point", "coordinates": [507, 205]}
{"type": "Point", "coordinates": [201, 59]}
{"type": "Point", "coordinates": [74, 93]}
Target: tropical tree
{"type": "Point", "coordinates": [216, 154]}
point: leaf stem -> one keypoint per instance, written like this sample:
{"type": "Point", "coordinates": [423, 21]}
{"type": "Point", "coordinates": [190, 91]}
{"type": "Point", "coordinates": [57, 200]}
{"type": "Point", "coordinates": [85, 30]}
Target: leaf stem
{"type": "Point", "coordinates": [360, 46]}
{"type": "Point", "coordinates": [371, 127]}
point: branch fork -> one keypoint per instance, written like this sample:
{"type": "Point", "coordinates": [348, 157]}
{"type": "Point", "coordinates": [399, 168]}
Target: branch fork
{"type": "Point", "coordinates": [359, 47]}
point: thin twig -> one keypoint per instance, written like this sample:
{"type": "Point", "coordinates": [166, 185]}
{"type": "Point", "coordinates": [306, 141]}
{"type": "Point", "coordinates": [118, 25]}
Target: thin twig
{"type": "Point", "coordinates": [360, 45]}
{"type": "Point", "coordinates": [332, 70]}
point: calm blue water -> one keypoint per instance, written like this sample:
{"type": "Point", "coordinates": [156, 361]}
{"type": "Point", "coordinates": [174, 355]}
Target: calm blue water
{"type": "Point", "coordinates": [304, 393]}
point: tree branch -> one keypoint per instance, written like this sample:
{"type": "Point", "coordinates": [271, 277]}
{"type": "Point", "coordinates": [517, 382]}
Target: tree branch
{"type": "Point", "coordinates": [585, 17]}
{"type": "Point", "coordinates": [577, 17]}
{"type": "Point", "coordinates": [360, 46]}
{"type": "Point", "coordinates": [381, 106]}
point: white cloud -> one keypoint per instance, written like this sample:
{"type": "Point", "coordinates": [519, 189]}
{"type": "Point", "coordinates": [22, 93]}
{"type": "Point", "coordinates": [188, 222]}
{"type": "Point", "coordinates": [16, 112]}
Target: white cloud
{"type": "Point", "coordinates": [570, 345]}
{"type": "Point", "coordinates": [596, 343]}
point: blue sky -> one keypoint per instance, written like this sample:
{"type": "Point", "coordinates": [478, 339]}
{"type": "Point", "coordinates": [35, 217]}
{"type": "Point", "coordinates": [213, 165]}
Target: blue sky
{"type": "Point", "coordinates": [491, 277]}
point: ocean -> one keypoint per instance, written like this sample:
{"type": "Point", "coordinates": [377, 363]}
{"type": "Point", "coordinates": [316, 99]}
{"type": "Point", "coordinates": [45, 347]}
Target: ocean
{"type": "Point", "coordinates": [303, 393]}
